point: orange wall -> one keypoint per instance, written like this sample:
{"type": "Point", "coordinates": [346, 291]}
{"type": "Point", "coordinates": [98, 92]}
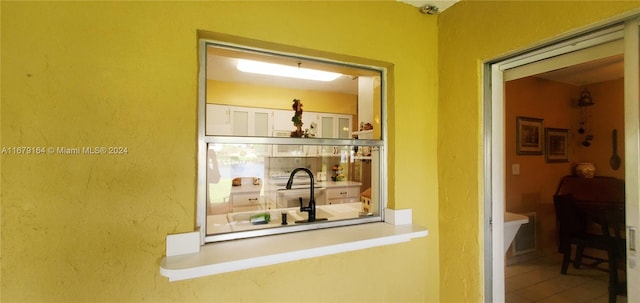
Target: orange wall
{"type": "Point", "coordinates": [533, 189]}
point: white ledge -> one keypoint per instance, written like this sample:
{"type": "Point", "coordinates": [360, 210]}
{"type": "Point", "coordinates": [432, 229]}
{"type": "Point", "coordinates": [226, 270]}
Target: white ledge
{"type": "Point", "coordinates": [221, 257]}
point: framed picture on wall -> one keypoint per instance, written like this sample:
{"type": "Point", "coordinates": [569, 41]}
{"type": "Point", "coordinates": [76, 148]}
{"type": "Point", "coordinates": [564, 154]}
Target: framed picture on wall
{"type": "Point", "coordinates": [556, 142]}
{"type": "Point", "coordinates": [528, 136]}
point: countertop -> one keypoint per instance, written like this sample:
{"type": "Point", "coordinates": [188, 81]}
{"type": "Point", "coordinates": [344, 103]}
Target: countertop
{"type": "Point", "coordinates": [250, 188]}
{"type": "Point", "coordinates": [228, 256]}
{"type": "Point", "coordinates": [239, 221]}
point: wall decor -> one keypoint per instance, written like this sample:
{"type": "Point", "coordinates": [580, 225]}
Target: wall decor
{"type": "Point", "coordinates": [528, 136]}
{"type": "Point", "coordinates": [585, 103]}
{"type": "Point", "coordinates": [556, 145]}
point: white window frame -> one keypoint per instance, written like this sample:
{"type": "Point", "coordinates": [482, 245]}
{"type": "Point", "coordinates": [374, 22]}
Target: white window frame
{"type": "Point", "coordinates": [204, 139]}
{"type": "Point", "coordinates": [188, 256]}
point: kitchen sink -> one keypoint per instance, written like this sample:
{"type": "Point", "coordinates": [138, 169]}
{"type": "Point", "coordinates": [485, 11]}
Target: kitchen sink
{"type": "Point", "coordinates": [296, 215]}
{"type": "Point", "coordinates": [306, 221]}
{"type": "Point", "coordinates": [290, 197]}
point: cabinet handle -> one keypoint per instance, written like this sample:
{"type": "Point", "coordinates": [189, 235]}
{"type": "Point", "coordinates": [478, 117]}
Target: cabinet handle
{"type": "Point", "coordinates": [253, 199]}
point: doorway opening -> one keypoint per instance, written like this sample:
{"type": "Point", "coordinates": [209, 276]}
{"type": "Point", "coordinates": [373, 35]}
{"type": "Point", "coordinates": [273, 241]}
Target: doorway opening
{"type": "Point", "coordinates": [572, 133]}
{"type": "Point", "coordinates": [543, 87]}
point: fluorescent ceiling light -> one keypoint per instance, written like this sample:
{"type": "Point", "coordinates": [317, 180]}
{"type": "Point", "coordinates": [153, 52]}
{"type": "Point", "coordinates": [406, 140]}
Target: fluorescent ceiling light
{"type": "Point", "coordinates": [264, 68]}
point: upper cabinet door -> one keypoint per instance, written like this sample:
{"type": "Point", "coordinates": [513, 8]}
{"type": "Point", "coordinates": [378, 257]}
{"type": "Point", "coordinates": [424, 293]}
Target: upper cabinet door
{"type": "Point", "coordinates": [224, 120]}
{"type": "Point", "coordinates": [327, 124]}
{"type": "Point", "coordinates": [218, 120]}
{"type": "Point", "coordinates": [344, 127]}
{"type": "Point", "coordinates": [261, 126]}
{"type": "Point", "coordinates": [240, 120]}
{"type": "Point", "coordinates": [282, 120]}
{"type": "Point", "coordinates": [335, 126]}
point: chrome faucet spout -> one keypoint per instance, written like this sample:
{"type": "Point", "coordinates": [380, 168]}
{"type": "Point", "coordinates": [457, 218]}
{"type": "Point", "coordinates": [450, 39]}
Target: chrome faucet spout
{"type": "Point", "coordinates": [311, 208]}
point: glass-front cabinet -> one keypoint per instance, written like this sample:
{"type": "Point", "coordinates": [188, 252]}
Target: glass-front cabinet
{"type": "Point", "coordinates": [225, 120]}
{"type": "Point", "coordinates": [259, 128]}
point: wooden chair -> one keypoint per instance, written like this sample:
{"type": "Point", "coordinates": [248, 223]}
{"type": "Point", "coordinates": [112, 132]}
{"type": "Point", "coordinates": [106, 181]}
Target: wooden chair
{"type": "Point", "coordinates": [574, 219]}
{"type": "Point", "coordinates": [572, 230]}
{"type": "Point", "coordinates": [613, 229]}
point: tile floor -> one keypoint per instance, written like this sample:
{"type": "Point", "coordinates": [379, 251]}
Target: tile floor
{"type": "Point", "coordinates": [539, 280]}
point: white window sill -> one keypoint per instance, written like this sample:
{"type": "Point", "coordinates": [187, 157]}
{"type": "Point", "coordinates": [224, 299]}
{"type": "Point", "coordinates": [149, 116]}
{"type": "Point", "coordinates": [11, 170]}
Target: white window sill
{"type": "Point", "coordinates": [221, 257]}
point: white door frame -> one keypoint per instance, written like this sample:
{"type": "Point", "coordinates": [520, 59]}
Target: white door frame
{"type": "Point", "coordinates": [632, 151]}
{"type": "Point", "coordinates": [494, 147]}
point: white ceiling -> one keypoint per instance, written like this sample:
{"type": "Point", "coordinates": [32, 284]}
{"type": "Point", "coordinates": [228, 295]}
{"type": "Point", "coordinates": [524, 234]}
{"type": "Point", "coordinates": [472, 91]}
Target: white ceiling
{"type": "Point", "coordinates": [595, 64]}
{"type": "Point", "coordinates": [596, 71]}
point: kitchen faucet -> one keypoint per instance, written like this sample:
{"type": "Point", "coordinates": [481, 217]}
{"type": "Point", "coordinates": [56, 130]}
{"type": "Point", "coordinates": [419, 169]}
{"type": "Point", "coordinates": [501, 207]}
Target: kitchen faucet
{"type": "Point", "coordinates": [311, 209]}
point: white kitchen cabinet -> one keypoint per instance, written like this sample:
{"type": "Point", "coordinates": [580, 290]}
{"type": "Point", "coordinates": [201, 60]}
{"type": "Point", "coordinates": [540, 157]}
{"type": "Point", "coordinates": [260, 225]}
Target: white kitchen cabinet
{"type": "Point", "coordinates": [349, 192]}
{"type": "Point", "coordinates": [262, 123]}
{"type": "Point", "coordinates": [246, 202]}
{"type": "Point", "coordinates": [344, 127]}
{"type": "Point", "coordinates": [281, 150]}
{"type": "Point", "coordinates": [248, 121]}
{"type": "Point", "coordinates": [228, 120]}
{"type": "Point", "coordinates": [290, 198]}
{"type": "Point", "coordinates": [334, 126]}
{"type": "Point", "coordinates": [334, 151]}
{"type": "Point", "coordinates": [283, 126]}
{"type": "Point", "coordinates": [223, 120]}
{"type": "Point", "coordinates": [240, 122]}
{"type": "Point", "coordinates": [247, 196]}
{"type": "Point", "coordinates": [328, 125]}
{"type": "Point", "coordinates": [218, 120]}
{"type": "Point", "coordinates": [282, 120]}
{"type": "Point", "coordinates": [311, 118]}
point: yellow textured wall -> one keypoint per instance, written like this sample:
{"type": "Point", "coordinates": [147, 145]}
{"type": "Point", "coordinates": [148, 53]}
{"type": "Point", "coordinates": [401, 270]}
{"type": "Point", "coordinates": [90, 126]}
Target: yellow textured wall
{"type": "Point", "coordinates": [471, 32]}
{"type": "Point", "coordinates": [91, 228]}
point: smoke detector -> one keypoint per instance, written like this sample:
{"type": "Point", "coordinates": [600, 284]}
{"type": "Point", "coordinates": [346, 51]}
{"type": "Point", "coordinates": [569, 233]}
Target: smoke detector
{"type": "Point", "coordinates": [431, 6]}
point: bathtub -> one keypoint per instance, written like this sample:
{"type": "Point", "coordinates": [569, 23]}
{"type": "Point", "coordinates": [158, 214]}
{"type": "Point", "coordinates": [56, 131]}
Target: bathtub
{"type": "Point", "coordinates": [512, 223]}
